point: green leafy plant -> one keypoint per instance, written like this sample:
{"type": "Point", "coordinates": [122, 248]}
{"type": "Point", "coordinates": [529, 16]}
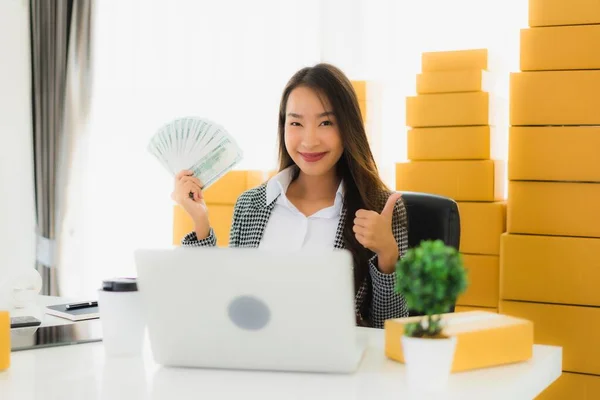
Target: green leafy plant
{"type": "Point", "coordinates": [430, 276]}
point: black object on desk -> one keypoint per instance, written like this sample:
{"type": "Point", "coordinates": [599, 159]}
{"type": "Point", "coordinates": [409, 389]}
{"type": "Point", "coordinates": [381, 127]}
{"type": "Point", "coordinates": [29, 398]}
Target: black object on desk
{"type": "Point", "coordinates": [24, 322]}
{"type": "Point", "coordinates": [59, 335]}
{"type": "Point", "coordinates": [76, 306]}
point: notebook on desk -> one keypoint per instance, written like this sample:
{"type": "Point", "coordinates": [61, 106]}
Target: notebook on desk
{"type": "Point", "coordinates": [78, 314]}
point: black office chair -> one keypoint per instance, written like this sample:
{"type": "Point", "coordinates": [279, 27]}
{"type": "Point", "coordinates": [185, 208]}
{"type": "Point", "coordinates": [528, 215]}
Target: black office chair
{"type": "Point", "coordinates": [431, 217]}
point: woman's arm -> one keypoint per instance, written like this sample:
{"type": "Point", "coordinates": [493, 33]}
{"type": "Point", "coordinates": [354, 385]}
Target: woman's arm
{"type": "Point", "coordinates": [386, 304]}
{"type": "Point", "coordinates": [191, 240]}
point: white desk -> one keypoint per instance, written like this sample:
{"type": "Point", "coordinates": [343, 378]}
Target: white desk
{"type": "Point", "coordinates": [83, 372]}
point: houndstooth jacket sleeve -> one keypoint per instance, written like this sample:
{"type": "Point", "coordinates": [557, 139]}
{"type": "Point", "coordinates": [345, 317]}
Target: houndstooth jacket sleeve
{"type": "Point", "coordinates": [386, 304]}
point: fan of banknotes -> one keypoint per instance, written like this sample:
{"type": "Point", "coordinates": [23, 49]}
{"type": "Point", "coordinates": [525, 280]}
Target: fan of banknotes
{"type": "Point", "coordinates": [196, 144]}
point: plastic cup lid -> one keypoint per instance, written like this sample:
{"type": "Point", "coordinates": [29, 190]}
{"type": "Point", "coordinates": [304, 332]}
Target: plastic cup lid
{"type": "Point", "coordinates": [120, 285]}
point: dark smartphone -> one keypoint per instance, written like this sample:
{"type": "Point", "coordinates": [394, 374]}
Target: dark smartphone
{"type": "Point", "coordinates": [23, 322]}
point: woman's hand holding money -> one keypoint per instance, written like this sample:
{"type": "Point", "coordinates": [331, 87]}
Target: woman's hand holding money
{"type": "Point", "coordinates": [188, 194]}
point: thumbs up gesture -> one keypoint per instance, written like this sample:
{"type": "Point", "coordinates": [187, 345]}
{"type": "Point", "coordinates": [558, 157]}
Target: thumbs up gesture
{"type": "Point", "coordinates": [374, 231]}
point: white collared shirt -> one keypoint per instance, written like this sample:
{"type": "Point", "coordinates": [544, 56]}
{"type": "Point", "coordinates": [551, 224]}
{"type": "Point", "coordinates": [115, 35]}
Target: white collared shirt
{"type": "Point", "coordinates": [290, 230]}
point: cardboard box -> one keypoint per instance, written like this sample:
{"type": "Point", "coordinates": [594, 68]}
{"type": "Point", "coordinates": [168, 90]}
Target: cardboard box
{"type": "Point", "coordinates": [553, 208]}
{"type": "Point", "coordinates": [256, 178]}
{"type": "Point", "coordinates": [227, 189]}
{"type": "Point", "coordinates": [4, 340]}
{"type": "Point", "coordinates": [483, 339]}
{"type": "Point", "coordinates": [452, 143]}
{"type": "Point", "coordinates": [360, 88]}
{"type": "Point", "coordinates": [555, 98]}
{"type": "Point", "coordinates": [573, 386]}
{"type": "Point", "coordinates": [220, 220]}
{"type": "Point", "coordinates": [484, 281]}
{"type": "Point", "coordinates": [459, 309]}
{"type": "Point", "coordinates": [554, 154]}
{"type": "Point", "coordinates": [576, 329]}
{"type": "Point", "coordinates": [560, 48]}
{"type": "Point", "coordinates": [481, 225]}
{"type": "Point", "coordinates": [452, 109]}
{"type": "Point", "coordinates": [468, 80]}
{"type": "Point", "coordinates": [458, 180]}
{"type": "Point", "coordinates": [453, 60]}
{"type": "Point", "coordinates": [182, 224]}
{"type": "Point", "coordinates": [550, 269]}
{"type": "Point", "coordinates": [561, 12]}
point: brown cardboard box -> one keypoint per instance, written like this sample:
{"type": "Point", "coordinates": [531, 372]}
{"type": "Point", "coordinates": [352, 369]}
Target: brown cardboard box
{"type": "Point", "coordinates": [554, 208]}
{"type": "Point", "coordinates": [459, 308]}
{"type": "Point", "coordinates": [555, 98]}
{"type": "Point", "coordinates": [467, 80]}
{"type": "Point", "coordinates": [458, 180]}
{"type": "Point", "coordinates": [483, 277]}
{"type": "Point", "coordinates": [452, 109]}
{"type": "Point", "coordinates": [481, 225]}
{"type": "Point", "coordinates": [560, 48]}
{"type": "Point", "coordinates": [561, 12]}
{"type": "Point", "coordinates": [483, 339]}
{"type": "Point", "coordinates": [550, 269]}
{"type": "Point", "coordinates": [453, 60]}
{"type": "Point", "coordinates": [451, 143]}
{"type": "Point", "coordinates": [227, 189]}
{"type": "Point", "coordinates": [573, 386]}
{"type": "Point", "coordinates": [576, 329]}
{"type": "Point", "coordinates": [554, 153]}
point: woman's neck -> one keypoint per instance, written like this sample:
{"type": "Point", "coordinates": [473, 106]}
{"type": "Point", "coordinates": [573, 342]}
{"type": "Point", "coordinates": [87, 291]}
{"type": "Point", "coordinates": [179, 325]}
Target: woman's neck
{"type": "Point", "coordinates": [314, 187]}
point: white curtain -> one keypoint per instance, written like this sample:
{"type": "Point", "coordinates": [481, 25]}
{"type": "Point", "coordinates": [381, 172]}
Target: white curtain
{"type": "Point", "coordinates": [229, 60]}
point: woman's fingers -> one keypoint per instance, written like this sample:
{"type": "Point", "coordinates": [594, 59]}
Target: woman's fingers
{"type": "Point", "coordinates": [181, 174]}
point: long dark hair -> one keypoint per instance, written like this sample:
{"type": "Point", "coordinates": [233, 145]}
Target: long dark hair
{"type": "Point", "coordinates": [356, 167]}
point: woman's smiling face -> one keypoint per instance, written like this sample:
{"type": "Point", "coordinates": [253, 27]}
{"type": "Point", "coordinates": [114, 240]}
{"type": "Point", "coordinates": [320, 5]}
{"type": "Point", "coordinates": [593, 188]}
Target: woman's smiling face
{"type": "Point", "coordinates": [312, 138]}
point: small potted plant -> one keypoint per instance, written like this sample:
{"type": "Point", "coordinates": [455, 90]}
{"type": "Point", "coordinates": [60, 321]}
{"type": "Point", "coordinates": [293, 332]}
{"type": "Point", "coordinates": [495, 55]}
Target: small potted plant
{"type": "Point", "coordinates": [430, 276]}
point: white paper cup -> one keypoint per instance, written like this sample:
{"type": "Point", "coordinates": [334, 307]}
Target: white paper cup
{"type": "Point", "coordinates": [121, 316]}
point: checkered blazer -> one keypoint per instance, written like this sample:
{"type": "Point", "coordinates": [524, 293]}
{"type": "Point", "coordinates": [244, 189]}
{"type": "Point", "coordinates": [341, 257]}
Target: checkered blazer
{"type": "Point", "coordinates": [250, 216]}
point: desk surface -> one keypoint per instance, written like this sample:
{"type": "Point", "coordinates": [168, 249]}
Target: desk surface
{"type": "Point", "coordinates": [84, 372]}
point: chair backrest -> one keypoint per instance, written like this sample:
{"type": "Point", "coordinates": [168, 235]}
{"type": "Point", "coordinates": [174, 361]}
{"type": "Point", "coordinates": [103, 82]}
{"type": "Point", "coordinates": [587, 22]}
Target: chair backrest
{"type": "Point", "coordinates": [431, 217]}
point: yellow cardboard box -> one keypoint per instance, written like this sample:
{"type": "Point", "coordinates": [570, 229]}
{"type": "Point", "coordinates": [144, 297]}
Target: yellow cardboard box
{"type": "Point", "coordinates": [553, 153]}
{"type": "Point", "coordinates": [459, 308]}
{"type": "Point", "coordinates": [453, 60]}
{"type": "Point", "coordinates": [360, 88]}
{"type": "Point", "coordinates": [560, 48]}
{"type": "Point", "coordinates": [573, 386]}
{"type": "Point", "coordinates": [452, 109]}
{"type": "Point", "coordinates": [550, 269]}
{"type": "Point", "coordinates": [4, 340]}
{"type": "Point", "coordinates": [182, 224]}
{"type": "Point", "coordinates": [220, 220]}
{"type": "Point", "coordinates": [227, 189]}
{"type": "Point", "coordinates": [561, 12]}
{"type": "Point", "coordinates": [555, 98]}
{"type": "Point", "coordinates": [468, 80]}
{"type": "Point", "coordinates": [481, 225]}
{"type": "Point", "coordinates": [458, 180]}
{"type": "Point", "coordinates": [576, 329]}
{"type": "Point", "coordinates": [554, 208]}
{"type": "Point", "coordinates": [484, 281]}
{"type": "Point", "coordinates": [483, 339]}
{"type": "Point", "coordinates": [452, 143]}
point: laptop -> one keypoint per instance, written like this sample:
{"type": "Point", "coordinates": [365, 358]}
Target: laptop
{"type": "Point", "coordinates": [237, 308]}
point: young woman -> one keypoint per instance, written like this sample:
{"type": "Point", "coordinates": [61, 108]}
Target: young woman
{"type": "Point", "coordinates": [327, 193]}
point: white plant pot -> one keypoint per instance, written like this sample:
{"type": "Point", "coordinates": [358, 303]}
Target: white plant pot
{"type": "Point", "coordinates": [428, 362]}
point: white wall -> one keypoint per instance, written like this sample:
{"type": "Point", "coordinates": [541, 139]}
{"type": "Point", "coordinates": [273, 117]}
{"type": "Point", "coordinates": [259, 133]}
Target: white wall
{"type": "Point", "coordinates": [17, 221]}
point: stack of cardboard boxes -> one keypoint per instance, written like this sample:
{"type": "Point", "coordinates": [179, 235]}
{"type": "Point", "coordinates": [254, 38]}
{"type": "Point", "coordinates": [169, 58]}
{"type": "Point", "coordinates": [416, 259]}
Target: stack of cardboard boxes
{"type": "Point", "coordinates": [550, 257]}
{"type": "Point", "coordinates": [453, 152]}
